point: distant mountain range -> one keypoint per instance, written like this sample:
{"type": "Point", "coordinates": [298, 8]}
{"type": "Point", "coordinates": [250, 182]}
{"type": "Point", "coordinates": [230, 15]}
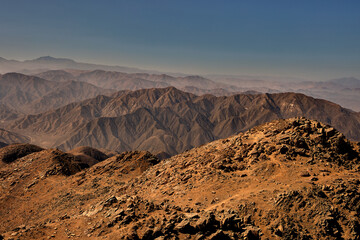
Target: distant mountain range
{"type": "Point", "coordinates": [350, 82]}
{"type": "Point", "coordinates": [25, 94]}
{"type": "Point", "coordinates": [72, 108]}
{"type": "Point", "coordinates": [344, 91]}
{"type": "Point", "coordinates": [172, 121]}
{"type": "Point", "coordinates": [45, 63]}
{"type": "Point", "coordinates": [134, 81]}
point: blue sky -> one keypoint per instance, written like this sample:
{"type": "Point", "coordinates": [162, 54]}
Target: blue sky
{"type": "Point", "coordinates": [311, 39]}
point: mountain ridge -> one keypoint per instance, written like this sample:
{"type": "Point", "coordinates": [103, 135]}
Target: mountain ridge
{"type": "Point", "coordinates": [172, 116]}
{"type": "Point", "coordinates": [44, 63]}
{"type": "Point", "coordinates": [332, 90]}
{"type": "Point", "coordinates": [31, 94]}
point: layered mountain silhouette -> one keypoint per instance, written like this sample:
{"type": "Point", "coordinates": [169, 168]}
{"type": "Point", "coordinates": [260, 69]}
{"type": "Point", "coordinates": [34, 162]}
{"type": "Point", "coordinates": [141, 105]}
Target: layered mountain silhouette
{"type": "Point", "coordinates": [343, 91]}
{"type": "Point", "coordinates": [287, 179]}
{"type": "Point", "coordinates": [28, 94]}
{"type": "Point", "coordinates": [169, 120]}
{"type": "Point", "coordinates": [46, 63]}
{"type": "Point", "coordinates": [135, 81]}
{"type": "Point", "coordinates": [349, 82]}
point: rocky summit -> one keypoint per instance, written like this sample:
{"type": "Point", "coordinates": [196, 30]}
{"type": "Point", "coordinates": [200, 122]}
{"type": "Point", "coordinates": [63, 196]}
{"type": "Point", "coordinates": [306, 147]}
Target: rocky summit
{"type": "Point", "coordinates": [287, 179]}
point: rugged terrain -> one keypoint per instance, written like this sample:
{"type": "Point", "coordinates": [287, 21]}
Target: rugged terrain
{"type": "Point", "coordinates": [10, 137]}
{"type": "Point", "coordinates": [287, 179]}
{"type": "Point", "coordinates": [172, 121]}
{"type": "Point", "coordinates": [344, 91]}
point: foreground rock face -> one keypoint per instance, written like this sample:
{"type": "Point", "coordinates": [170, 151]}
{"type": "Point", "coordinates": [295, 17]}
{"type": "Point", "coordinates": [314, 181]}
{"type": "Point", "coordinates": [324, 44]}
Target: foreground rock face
{"type": "Point", "coordinates": [288, 179]}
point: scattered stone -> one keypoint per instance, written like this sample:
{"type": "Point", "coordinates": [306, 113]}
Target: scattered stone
{"type": "Point", "coordinates": [305, 174]}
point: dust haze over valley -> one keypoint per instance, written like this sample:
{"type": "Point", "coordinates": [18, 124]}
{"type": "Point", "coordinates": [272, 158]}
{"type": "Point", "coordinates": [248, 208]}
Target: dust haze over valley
{"type": "Point", "coordinates": [181, 120]}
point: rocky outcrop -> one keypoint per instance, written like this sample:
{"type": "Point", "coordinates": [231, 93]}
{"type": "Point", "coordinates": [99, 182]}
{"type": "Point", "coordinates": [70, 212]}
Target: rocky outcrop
{"type": "Point", "coordinates": [287, 179]}
{"type": "Point", "coordinates": [12, 152]}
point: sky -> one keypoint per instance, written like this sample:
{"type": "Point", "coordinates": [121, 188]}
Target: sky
{"type": "Point", "coordinates": [307, 39]}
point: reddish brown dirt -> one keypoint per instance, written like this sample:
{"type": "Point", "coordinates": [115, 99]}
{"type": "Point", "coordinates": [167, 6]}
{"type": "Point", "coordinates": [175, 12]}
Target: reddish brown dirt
{"type": "Point", "coordinates": [288, 179]}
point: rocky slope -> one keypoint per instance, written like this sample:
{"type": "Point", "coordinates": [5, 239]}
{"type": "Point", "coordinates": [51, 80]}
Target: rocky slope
{"type": "Point", "coordinates": [290, 178]}
{"type": "Point", "coordinates": [88, 155]}
{"type": "Point", "coordinates": [169, 120]}
{"type": "Point", "coordinates": [49, 185]}
{"type": "Point", "coordinates": [8, 114]}
{"type": "Point", "coordinates": [57, 76]}
{"type": "Point", "coordinates": [11, 137]}
{"type": "Point", "coordinates": [287, 179]}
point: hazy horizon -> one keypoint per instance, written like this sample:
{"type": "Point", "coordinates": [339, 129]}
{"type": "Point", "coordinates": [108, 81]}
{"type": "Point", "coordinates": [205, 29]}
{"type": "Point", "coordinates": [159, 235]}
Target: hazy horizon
{"type": "Point", "coordinates": [309, 40]}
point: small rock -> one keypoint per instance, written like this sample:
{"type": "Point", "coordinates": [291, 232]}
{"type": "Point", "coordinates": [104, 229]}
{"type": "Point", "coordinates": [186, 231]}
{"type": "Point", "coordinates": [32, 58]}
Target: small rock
{"type": "Point", "coordinates": [110, 201]}
{"type": "Point", "coordinates": [305, 174]}
{"type": "Point", "coordinates": [218, 235]}
{"type": "Point", "coordinates": [184, 226]}
{"type": "Point", "coordinates": [284, 149]}
{"type": "Point", "coordinates": [251, 232]}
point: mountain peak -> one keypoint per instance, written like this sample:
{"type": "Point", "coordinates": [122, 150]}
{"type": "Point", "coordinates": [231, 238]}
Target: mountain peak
{"type": "Point", "coordinates": [12, 76]}
{"type": "Point", "coordinates": [194, 77]}
{"type": "Point", "coordinates": [49, 59]}
{"type": "Point", "coordinates": [350, 82]}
